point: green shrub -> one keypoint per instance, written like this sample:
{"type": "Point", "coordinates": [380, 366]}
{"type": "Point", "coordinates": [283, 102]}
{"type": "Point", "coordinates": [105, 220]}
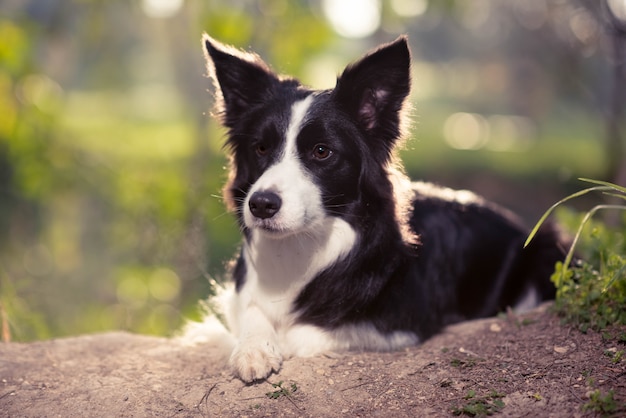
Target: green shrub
{"type": "Point", "coordinates": [591, 286]}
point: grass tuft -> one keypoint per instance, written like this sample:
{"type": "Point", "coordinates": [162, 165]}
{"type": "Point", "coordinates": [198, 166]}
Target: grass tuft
{"type": "Point", "coordinates": [591, 291]}
{"type": "Point", "coordinates": [480, 405]}
{"type": "Point", "coordinates": [604, 405]}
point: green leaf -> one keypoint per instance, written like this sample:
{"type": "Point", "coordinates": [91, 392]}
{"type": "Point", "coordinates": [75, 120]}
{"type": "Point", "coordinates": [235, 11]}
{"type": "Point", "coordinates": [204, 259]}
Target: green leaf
{"type": "Point", "coordinates": [588, 215]}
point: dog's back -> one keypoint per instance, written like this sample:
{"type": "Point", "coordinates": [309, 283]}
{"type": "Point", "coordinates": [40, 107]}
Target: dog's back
{"type": "Point", "coordinates": [472, 250]}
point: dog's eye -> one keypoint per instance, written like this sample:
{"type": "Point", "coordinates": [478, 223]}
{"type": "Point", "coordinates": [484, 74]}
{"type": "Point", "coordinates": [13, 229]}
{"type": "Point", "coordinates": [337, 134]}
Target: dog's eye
{"type": "Point", "coordinates": [321, 152]}
{"type": "Point", "coordinates": [262, 149]}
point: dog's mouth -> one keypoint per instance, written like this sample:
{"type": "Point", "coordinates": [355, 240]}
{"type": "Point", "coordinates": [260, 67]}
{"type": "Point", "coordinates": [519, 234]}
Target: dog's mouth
{"type": "Point", "coordinates": [271, 228]}
{"type": "Point", "coordinates": [277, 228]}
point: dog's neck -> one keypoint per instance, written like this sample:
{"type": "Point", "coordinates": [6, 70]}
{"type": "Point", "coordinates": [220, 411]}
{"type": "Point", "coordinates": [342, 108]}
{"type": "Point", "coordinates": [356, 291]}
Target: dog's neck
{"type": "Point", "coordinates": [283, 262]}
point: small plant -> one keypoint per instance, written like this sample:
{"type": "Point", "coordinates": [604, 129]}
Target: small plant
{"type": "Point", "coordinates": [615, 355]}
{"type": "Point", "coordinates": [480, 406]}
{"type": "Point", "coordinates": [463, 364]}
{"type": "Point", "coordinates": [591, 292]}
{"type": "Point", "coordinates": [602, 404]}
{"type": "Point", "coordinates": [280, 391]}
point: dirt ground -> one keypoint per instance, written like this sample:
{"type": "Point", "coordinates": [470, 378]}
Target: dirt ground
{"type": "Point", "coordinates": [517, 366]}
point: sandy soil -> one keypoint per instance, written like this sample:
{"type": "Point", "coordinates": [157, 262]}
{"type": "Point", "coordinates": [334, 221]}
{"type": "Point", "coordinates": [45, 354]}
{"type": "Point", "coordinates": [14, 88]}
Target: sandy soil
{"type": "Point", "coordinates": [513, 366]}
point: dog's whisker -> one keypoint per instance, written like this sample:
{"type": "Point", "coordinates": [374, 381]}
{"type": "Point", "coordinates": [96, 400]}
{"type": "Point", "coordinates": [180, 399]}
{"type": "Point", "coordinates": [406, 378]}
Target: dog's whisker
{"type": "Point", "coordinates": [221, 215]}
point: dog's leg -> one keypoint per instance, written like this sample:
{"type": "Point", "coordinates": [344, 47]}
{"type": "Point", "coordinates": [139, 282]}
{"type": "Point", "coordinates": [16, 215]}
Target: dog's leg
{"type": "Point", "coordinates": [256, 355]}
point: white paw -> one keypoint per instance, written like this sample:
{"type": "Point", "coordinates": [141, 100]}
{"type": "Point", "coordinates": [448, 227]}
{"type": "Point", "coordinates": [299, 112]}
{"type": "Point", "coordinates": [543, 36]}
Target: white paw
{"type": "Point", "coordinates": [255, 359]}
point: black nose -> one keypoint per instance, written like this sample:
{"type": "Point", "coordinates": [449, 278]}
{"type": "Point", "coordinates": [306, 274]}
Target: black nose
{"type": "Point", "coordinates": [264, 204]}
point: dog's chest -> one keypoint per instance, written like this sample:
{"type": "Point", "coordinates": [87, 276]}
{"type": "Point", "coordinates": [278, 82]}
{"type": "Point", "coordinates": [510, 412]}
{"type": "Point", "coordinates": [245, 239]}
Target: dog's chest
{"type": "Point", "coordinates": [278, 269]}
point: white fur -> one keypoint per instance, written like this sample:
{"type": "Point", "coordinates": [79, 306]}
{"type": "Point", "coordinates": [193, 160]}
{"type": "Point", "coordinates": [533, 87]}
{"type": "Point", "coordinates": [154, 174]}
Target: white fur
{"type": "Point", "coordinates": [308, 340]}
{"type": "Point", "coordinates": [528, 301]}
{"type": "Point", "coordinates": [278, 266]}
{"type": "Point", "coordinates": [464, 197]}
{"type": "Point", "coordinates": [301, 200]}
{"type": "Point", "coordinates": [301, 242]}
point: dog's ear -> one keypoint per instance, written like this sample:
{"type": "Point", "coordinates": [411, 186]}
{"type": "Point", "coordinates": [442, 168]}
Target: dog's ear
{"type": "Point", "coordinates": [373, 90]}
{"type": "Point", "coordinates": [241, 79]}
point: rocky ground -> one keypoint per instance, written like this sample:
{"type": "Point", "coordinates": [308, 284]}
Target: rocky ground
{"type": "Point", "coordinates": [518, 366]}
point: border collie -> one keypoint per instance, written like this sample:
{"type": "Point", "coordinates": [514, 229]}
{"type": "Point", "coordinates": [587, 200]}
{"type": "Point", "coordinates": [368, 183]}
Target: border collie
{"type": "Point", "coordinates": [340, 250]}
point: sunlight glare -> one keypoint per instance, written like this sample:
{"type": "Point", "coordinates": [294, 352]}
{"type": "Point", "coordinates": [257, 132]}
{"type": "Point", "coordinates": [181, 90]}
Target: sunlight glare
{"type": "Point", "coordinates": [409, 8]}
{"type": "Point", "coordinates": [161, 8]}
{"type": "Point", "coordinates": [466, 131]}
{"type": "Point", "coordinates": [618, 8]}
{"type": "Point", "coordinates": [353, 18]}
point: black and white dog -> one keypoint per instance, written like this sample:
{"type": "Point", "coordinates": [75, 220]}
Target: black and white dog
{"type": "Point", "coordinates": [341, 251]}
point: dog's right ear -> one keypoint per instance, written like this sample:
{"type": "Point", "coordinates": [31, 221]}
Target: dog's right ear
{"type": "Point", "coordinates": [241, 79]}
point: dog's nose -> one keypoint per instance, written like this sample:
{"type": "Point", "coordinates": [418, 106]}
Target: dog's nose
{"type": "Point", "coordinates": [264, 204]}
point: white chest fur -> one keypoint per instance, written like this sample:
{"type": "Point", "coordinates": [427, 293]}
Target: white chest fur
{"type": "Point", "coordinates": [278, 269]}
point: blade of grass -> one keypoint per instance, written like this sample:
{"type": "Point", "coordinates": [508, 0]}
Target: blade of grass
{"type": "Point", "coordinates": [604, 183]}
{"type": "Point", "coordinates": [588, 215]}
{"type": "Point", "coordinates": [616, 276]}
{"type": "Point", "coordinates": [547, 213]}
{"type": "Point", "coordinates": [621, 196]}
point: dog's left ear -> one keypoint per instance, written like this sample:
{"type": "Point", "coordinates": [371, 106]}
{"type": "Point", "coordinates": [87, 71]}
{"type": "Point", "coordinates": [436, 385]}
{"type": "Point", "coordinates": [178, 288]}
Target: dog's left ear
{"type": "Point", "coordinates": [373, 90]}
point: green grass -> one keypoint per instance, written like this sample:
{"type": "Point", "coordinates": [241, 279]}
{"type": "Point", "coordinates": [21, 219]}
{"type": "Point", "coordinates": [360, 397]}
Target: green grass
{"type": "Point", "coordinates": [560, 145]}
{"type": "Point", "coordinates": [480, 405]}
{"type": "Point", "coordinates": [591, 288]}
{"type": "Point", "coordinates": [602, 404]}
{"type": "Point", "coordinates": [463, 364]}
{"type": "Point", "coordinates": [106, 124]}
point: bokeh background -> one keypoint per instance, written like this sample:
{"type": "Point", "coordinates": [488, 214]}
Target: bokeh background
{"type": "Point", "coordinates": [111, 168]}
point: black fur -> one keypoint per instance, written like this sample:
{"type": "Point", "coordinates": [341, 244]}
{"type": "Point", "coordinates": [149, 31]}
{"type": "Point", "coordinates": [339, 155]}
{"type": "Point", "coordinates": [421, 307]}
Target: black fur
{"type": "Point", "coordinates": [425, 256]}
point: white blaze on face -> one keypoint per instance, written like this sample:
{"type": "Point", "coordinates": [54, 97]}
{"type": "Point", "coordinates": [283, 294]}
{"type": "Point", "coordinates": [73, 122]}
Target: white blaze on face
{"type": "Point", "coordinates": [301, 198]}
{"type": "Point", "coordinates": [285, 251]}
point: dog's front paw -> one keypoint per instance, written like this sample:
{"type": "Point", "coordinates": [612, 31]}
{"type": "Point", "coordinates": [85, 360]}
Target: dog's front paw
{"type": "Point", "coordinates": [255, 359]}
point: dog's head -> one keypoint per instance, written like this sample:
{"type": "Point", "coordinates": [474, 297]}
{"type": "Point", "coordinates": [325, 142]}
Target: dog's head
{"type": "Point", "coordinates": [299, 156]}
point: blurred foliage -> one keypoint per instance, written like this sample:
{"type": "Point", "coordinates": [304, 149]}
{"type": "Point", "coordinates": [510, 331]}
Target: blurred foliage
{"type": "Point", "coordinates": [28, 105]}
{"type": "Point", "coordinates": [110, 214]}
{"type": "Point", "coordinates": [591, 280]}
{"type": "Point", "coordinates": [111, 169]}
{"type": "Point", "coordinates": [592, 292]}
